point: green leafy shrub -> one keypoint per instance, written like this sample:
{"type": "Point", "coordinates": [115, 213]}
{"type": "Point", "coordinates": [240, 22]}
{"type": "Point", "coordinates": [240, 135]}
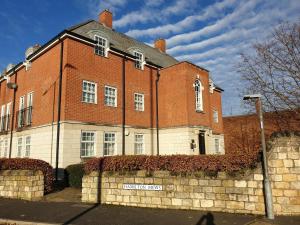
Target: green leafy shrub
{"type": "Point", "coordinates": [177, 164]}
{"type": "Point", "coordinates": [74, 174]}
{"type": "Point", "coordinates": [30, 164]}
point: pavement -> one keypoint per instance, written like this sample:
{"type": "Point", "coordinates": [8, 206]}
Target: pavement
{"type": "Point", "coordinates": [25, 212]}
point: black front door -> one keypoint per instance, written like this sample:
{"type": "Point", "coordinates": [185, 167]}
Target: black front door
{"type": "Point", "coordinates": [202, 143]}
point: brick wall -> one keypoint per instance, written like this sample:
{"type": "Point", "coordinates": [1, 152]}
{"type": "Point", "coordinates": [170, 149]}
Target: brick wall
{"type": "Point", "coordinates": [21, 184]}
{"type": "Point", "coordinates": [242, 133]}
{"type": "Point", "coordinates": [226, 193]}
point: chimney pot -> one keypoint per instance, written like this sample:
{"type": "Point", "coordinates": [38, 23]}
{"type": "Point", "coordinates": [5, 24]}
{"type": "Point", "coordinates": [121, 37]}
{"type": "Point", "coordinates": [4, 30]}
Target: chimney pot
{"type": "Point", "coordinates": [105, 17]}
{"type": "Point", "coordinates": [160, 44]}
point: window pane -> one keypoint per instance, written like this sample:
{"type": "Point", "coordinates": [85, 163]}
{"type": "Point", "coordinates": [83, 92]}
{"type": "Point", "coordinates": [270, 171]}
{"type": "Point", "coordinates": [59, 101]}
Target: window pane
{"type": "Point", "coordinates": [110, 95]}
{"type": "Point", "coordinates": [109, 143]}
{"type": "Point", "coordinates": [89, 92]}
{"type": "Point", "coordinates": [87, 145]}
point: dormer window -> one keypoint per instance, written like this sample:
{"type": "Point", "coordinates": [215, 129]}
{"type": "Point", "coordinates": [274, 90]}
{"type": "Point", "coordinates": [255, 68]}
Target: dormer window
{"type": "Point", "coordinates": [101, 46]}
{"type": "Point", "coordinates": [139, 60]}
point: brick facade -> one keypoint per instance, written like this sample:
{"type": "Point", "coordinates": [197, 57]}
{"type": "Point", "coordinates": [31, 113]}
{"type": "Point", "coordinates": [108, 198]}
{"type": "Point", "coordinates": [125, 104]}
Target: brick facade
{"type": "Point", "coordinates": [176, 99]}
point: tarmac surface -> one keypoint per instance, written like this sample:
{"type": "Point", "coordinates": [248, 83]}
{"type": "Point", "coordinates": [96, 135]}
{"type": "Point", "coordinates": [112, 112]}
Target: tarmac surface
{"type": "Point", "coordinates": [75, 213]}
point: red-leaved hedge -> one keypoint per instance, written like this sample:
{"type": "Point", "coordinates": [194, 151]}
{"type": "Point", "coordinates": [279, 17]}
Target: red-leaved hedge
{"type": "Point", "coordinates": [30, 164]}
{"type": "Point", "coordinates": [173, 163]}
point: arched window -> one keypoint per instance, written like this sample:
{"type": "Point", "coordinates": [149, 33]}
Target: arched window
{"type": "Point", "coordinates": [198, 95]}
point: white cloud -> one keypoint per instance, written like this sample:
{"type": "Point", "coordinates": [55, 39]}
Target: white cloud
{"type": "Point", "coordinates": [223, 23]}
{"type": "Point", "coordinates": [211, 11]}
{"type": "Point", "coordinates": [96, 6]}
{"type": "Point", "coordinates": [154, 3]}
{"type": "Point", "coordinates": [147, 13]}
{"type": "Point", "coordinates": [229, 36]}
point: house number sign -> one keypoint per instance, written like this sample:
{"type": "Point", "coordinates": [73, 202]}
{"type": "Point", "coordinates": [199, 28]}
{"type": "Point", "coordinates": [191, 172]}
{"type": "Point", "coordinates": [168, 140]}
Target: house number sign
{"type": "Point", "coordinates": [146, 187]}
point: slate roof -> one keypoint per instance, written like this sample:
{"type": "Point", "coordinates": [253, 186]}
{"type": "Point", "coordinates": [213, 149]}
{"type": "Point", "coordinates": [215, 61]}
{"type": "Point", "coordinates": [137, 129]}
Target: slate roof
{"type": "Point", "coordinates": [123, 42]}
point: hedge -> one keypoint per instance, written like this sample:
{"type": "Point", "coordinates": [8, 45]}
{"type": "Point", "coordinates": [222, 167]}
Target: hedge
{"type": "Point", "coordinates": [30, 164]}
{"type": "Point", "coordinates": [74, 174]}
{"type": "Point", "coordinates": [174, 163]}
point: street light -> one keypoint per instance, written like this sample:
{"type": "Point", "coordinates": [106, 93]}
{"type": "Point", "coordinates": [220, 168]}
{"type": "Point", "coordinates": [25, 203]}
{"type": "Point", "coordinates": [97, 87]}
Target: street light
{"type": "Point", "coordinates": [14, 87]}
{"type": "Point", "coordinates": [267, 186]}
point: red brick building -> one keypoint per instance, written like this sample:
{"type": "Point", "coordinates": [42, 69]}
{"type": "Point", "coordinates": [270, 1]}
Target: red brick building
{"type": "Point", "coordinates": [91, 91]}
{"type": "Point", "coordinates": [242, 132]}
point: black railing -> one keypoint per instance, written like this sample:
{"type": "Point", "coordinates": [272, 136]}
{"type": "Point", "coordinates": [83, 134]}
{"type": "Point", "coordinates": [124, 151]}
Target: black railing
{"type": "Point", "coordinates": [24, 117]}
{"type": "Point", "coordinates": [4, 123]}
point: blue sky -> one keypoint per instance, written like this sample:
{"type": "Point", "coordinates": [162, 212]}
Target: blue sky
{"type": "Point", "coordinates": [208, 33]}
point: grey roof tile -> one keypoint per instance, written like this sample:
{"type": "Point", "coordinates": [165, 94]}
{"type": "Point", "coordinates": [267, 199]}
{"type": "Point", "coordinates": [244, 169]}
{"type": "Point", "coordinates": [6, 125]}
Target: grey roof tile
{"type": "Point", "coordinates": [123, 42]}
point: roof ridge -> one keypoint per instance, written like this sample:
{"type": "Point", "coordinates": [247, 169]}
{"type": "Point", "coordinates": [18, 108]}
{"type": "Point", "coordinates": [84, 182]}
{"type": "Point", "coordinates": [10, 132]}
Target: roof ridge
{"type": "Point", "coordinates": [79, 25]}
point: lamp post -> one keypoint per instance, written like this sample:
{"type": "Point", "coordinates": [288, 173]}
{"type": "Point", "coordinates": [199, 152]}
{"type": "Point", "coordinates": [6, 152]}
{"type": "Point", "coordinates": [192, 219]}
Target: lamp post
{"type": "Point", "coordinates": [14, 87]}
{"type": "Point", "coordinates": [267, 186]}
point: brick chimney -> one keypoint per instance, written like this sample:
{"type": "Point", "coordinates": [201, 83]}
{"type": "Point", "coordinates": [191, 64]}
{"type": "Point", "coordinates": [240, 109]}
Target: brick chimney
{"type": "Point", "coordinates": [105, 17]}
{"type": "Point", "coordinates": [160, 44]}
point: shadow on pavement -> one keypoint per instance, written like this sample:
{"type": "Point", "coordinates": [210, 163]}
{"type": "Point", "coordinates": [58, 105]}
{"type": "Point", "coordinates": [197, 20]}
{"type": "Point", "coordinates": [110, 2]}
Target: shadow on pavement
{"type": "Point", "coordinates": [207, 219]}
{"type": "Point", "coordinates": [81, 214]}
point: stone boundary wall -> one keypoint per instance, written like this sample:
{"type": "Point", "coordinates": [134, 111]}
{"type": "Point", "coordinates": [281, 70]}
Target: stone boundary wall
{"type": "Point", "coordinates": [235, 194]}
{"type": "Point", "coordinates": [21, 184]}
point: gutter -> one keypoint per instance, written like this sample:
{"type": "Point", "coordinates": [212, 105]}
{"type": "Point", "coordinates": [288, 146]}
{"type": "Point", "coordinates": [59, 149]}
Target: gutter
{"type": "Point", "coordinates": [123, 103]}
{"type": "Point", "coordinates": [157, 119]}
{"type": "Point", "coordinates": [13, 117]}
{"type": "Point", "coordinates": [59, 108]}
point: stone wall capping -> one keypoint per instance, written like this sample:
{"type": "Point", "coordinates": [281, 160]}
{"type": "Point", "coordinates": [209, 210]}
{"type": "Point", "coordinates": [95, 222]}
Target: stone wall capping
{"type": "Point", "coordinates": [240, 192]}
{"type": "Point", "coordinates": [22, 184]}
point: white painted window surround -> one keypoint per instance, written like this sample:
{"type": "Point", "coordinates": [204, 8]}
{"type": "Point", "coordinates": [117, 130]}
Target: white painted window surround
{"type": "Point", "coordinates": [87, 144]}
{"type": "Point", "coordinates": [110, 96]}
{"type": "Point", "coordinates": [19, 146]}
{"type": "Point", "coordinates": [89, 92]}
{"type": "Point", "coordinates": [23, 143]}
{"type": "Point", "coordinates": [139, 104]}
{"type": "Point", "coordinates": [101, 47]}
{"type": "Point", "coordinates": [139, 144]}
{"type": "Point", "coordinates": [139, 60]}
{"type": "Point", "coordinates": [109, 147]}
{"type": "Point", "coordinates": [216, 116]}
{"type": "Point", "coordinates": [27, 146]}
{"type": "Point", "coordinates": [217, 145]}
{"type": "Point", "coordinates": [198, 96]}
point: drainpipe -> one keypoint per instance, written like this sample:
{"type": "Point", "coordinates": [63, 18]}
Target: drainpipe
{"type": "Point", "coordinates": [13, 116]}
{"type": "Point", "coordinates": [59, 108]}
{"type": "Point", "coordinates": [157, 127]}
{"type": "Point", "coordinates": [123, 103]}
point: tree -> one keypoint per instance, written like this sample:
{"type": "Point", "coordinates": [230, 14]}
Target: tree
{"type": "Point", "coordinates": [273, 69]}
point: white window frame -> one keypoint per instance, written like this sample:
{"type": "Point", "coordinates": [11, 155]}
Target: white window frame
{"type": "Point", "coordinates": [217, 145]}
{"type": "Point", "coordinates": [8, 106]}
{"type": "Point", "coordinates": [108, 143]}
{"type": "Point", "coordinates": [29, 110]}
{"type": "Point", "coordinates": [139, 105]}
{"type": "Point", "coordinates": [139, 144]}
{"type": "Point", "coordinates": [19, 146]}
{"type": "Point", "coordinates": [216, 116]}
{"type": "Point", "coordinates": [98, 44]}
{"type": "Point", "coordinates": [198, 96]}
{"type": "Point", "coordinates": [21, 107]}
{"type": "Point", "coordinates": [5, 147]}
{"type": "Point", "coordinates": [1, 147]}
{"type": "Point", "coordinates": [89, 92]}
{"type": "Point", "coordinates": [2, 117]}
{"type": "Point", "coordinates": [139, 60]}
{"type": "Point", "coordinates": [110, 96]}
{"type": "Point", "coordinates": [92, 142]}
{"type": "Point", "coordinates": [27, 146]}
